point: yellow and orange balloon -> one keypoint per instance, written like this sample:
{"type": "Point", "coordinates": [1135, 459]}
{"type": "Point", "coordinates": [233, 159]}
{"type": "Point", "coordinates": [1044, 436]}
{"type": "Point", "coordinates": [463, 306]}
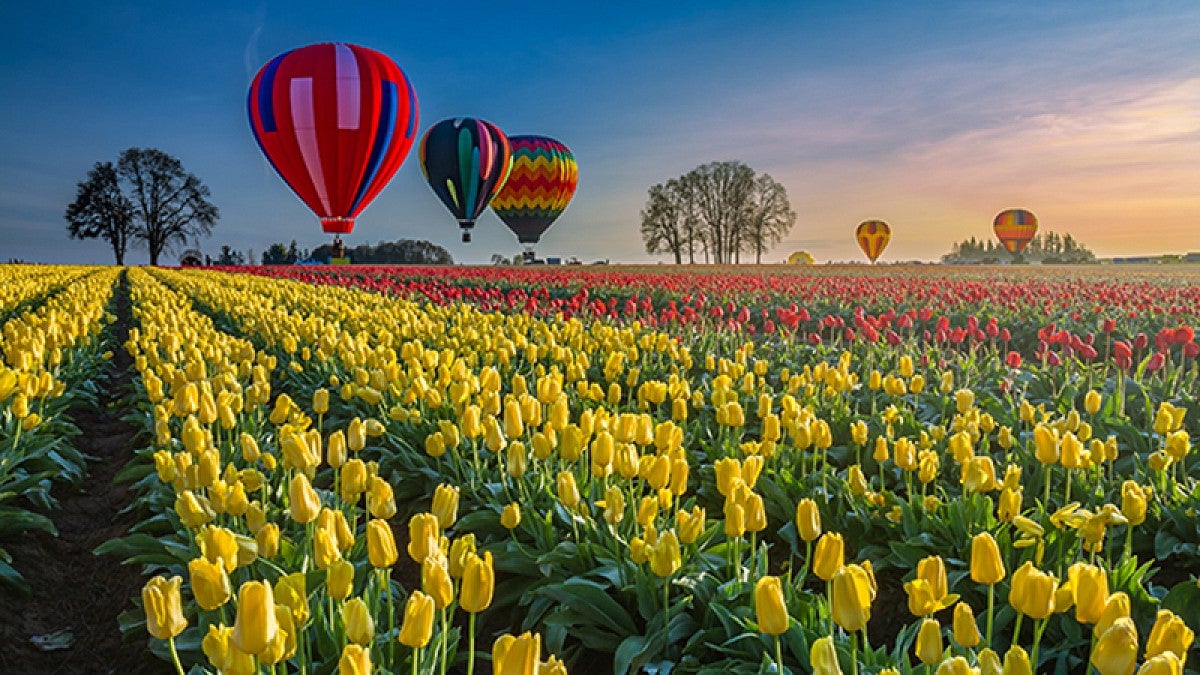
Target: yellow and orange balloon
{"type": "Point", "coordinates": [873, 236]}
{"type": "Point", "coordinates": [1015, 228]}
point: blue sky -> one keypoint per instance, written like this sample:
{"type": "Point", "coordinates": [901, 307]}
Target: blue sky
{"type": "Point", "coordinates": [933, 116]}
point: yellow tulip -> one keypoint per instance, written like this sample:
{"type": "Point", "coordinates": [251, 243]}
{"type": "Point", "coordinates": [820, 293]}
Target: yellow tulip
{"type": "Point", "coordinates": [320, 401]}
{"type": "Point", "coordinates": [1032, 592]}
{"type": "Point", "coordinates": [1089, 584]}
{"type": "Point", "coordinates": [210, 583]}
{"type": "Point", "coordinates": [929, 647]}
{"type": "Point", "coordinates": [1091, 402]}
{"type": "Point", "coordinates": [339, 580]}
{"type": "Point", "coordinates": [927, 593]}
{"type": "Point", "coordinates": [478, 583]}
{"type": "Point", "coordinates": [267, 539]}
{"type": "Point", "coordinates": [510, 517]}
{"type": "Point", "coordinates": [808, 520]}
{"type": "Point", "coordinates": [1045, 440]}
{"type": "Point", "coordinates": [823, 657]}
{"type": "Point", "coordinates": [964, 400]}
{"type": "Point", "coordinates": [1169, 634]}
{"type": "Point", "coordinates": [193, 510]}
{"type": "Point", "coordinates": [417, 628]}
{"type": "Point", "coordinates": [966, 631]}
{"type": "Point", "coordinates": [769, 607]}
{"type": "Point", "coordinates": [355, 660]}
{"type": "Point", "coordinates": [325, 550]}
{"type": "Point", "coordinates": [381, 544]}
{"type": "Point", "coordinates": [1133, 503]}
{"type": "Point", "coordinates": [568, 491]}
{"type": "Point", "coordinates": [354, 477]}
{"type": "Point", "coordinates": [436, 581]}
{"type": "Point", "coordinates": [517, 655]}
{"type": "Point", "coordinates": [1016, 662]}
{"type": "Point", "coordinates": [304, 504]}
{"type": "Point", "coordinates": [336, 453]}
{"type": "Point", "coordinates": [1115, 652]}
{"type": "Point", "coordinates": [957, 665]}
{"type": "Point", "coordinates": [460, 549]}
{"type": "Point", "coordinates": [690, 524]}
{"type": "Point", "coordinates": [1166, 663]}
{"type": "Point", "coordinates": [381, 501]}
{"type": "Point", "coordinates": [445, 505]}
{"type": "Point", "coordinates": [829, 556]}
{"type": "Point", "coordinates": [219, 545]}
{"type": "Point", "coordinates": [360, 627]}
{"type": "Point", "coordinates": [852, 593]}
{"type": "Point", "coordinates": [256, 623]}
{"type": "Point", "coordinates": [665, 556]}
{"type": "Point", "coordinates": [735, 520]}
{"type": "Point", "coordinates": [164, 607]}
{"type": "Point", "coordinates": [283, 647]}
{"type": "Point", "coordinates": [987, 565]}
{"type": "Point", "coordinates": [756, 513]}
{"type": "Point", "coordinates": [1116, 607]}
{"type": "Point", "coordinates": [291, 592]}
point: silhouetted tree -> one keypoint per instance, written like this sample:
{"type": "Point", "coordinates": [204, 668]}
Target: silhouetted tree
{"type": "Point", "coordinates": [228, 256]}
{"type": "Point", "coordinates": [170, 205]}
{"type": "Point", "coordinates": [101, 210]}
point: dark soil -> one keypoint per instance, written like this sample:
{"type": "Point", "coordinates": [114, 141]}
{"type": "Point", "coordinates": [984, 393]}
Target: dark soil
{"type": "Point", "coordinates": [73, 589]}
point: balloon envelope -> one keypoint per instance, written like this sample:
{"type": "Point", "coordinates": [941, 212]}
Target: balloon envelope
{"type": "Point", "coordinates": [800, 258]}
{"type": "Point", "coordinates": [1015, 228]}
{"type": "Point", "coordinates": [336, 121]}
{"type": "Point", "coordinates": [873, 236]}
{"type": "Point", "coordinates": [465, 161]}
{"type": "Point", "coordinates": [543, 180]}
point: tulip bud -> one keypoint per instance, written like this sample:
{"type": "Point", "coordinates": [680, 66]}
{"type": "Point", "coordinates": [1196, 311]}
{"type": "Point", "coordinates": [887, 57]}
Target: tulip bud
{"type": "Point", "coordinates": [445, 505]}
{"type": "Point", "coordinates": [568, 492]}
{"type": "Point", "coordinates": [360, 627]}
{"type": "Point", "coordinates": [1032, 592]}
{"type": "Point", "coordinates": [823, 657]}
{"type": "Point", "coordinates": [929, 642]}
{"type": "Point", "coordinates": [1115, 652]}
{"type": "Point", "coordinates": [478, 583]}
{"type": "Point", "coordinates": [1169, 634]}
{"type": "Point", "coordinates": [256, 623]}
{"type": "Point", "coordinates": [690, 525]}
{"type": "Point", "coordinates": [852, 594]}
{"type": "Point", "coordinates": [510, 517]}
{"type": "Point", "coordinates": [1090, 589]}
{"type": "Point", "coordinates": [417, 628]}
{"type": "Point", "coordinates": [164, 607]}
{"type": "Point", "coordinates": [665, 556]}
{"type": "Point", "coordinates": [829, 555]}
{"type": "Point", "coordinates": [966, 632]}
{"type": "Point", "coordinates": [517, 655]}
{"type": "Point", "coordinates": [1166, 663]}
{"type": "Point", "coordinates": [808, 520]}
{"type": "Point", "coordinates": [210, 583]}
{"type": "Point", "coordinates": [304, 504]}
{"type": "Point", "coordinates": [320, 401]}
{"type": "Point", "coordinates": [769, 607]}
{"type": "Point", "coordinates": [436, 581]}
{"type": "Point", "coordinates": [355, 660]}
{"type": "Point", "coordinates": [462, 547]}
{"type": "Point", "coordinates": [987, 565]}
{"type": "Point", "coordinates": [339, 579]}
{"type": "Point", "coordinates": [381, 545]}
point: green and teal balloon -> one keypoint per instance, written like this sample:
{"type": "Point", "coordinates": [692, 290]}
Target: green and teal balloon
{"type": "Point", "coordinates": [466, 161]}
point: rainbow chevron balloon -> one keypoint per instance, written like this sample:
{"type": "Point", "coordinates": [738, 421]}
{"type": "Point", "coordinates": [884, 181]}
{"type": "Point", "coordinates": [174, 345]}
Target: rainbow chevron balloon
{"type": "Point", "coordinates": [1015, 228]}
{"type": "Point", "coordinates": [539, 187]}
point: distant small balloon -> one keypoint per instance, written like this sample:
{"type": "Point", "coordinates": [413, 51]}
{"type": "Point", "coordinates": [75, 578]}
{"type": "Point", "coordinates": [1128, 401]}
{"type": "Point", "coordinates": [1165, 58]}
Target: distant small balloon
{"type": "Point", "coordinates": [873, 236]}
{"type": "Point", "coordinates": [800, 258]}
{"type": "Point", "coordinates": [1015, 228]}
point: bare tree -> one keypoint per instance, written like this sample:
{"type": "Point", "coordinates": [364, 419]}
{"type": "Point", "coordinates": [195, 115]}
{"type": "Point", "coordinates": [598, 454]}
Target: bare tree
{"type": "Point", "coordinates": [100, 210]}
{"type": "Point", "coordinates": [169, 204]}
{"type": "Point", "coordinates": [720, 209]}
{"type": "Point", "coordinates": [769, 216]}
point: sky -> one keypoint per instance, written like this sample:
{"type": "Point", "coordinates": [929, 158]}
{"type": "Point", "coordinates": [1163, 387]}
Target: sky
{"type": "Point", "coordinates": [932, 116]}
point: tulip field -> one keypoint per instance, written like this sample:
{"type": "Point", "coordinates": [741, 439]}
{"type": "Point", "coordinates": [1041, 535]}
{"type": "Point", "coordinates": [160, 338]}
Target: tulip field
{"type": "Point", "coordinates": [635, 470]}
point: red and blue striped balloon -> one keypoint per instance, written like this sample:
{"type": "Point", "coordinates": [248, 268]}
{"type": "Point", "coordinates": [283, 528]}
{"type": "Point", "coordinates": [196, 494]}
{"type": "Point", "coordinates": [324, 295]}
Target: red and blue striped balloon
{"type": "Point", "coordinates": [336, 121]}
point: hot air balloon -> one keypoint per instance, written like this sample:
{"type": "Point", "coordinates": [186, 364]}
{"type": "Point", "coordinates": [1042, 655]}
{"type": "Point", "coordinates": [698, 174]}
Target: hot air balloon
{"type": "Point", "coordinates": [466, 161]}
{"type": "Point", "coordinates": [873, 236]}
{"type": "Point", "coordinates": [543, 180]}
{"type": "Point", "coordinates": [1015, 228]}
{"type": "Point", "coordinates": [336, 121]}
{"type": "Point", "coordinates": [800, 258]}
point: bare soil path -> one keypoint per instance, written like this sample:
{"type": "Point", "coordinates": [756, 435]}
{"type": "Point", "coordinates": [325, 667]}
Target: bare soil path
{"type": "Point", "coordinates": [73, 589]}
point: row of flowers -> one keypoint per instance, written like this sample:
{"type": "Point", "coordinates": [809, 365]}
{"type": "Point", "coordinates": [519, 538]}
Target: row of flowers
{"type": "Point", "coordinates": [51, 358]}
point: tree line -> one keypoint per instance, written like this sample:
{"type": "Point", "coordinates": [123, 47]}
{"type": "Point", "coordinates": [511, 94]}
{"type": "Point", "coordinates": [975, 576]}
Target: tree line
{"type": "Point", "coordinates": [401, 252]}
{"type": "Point", "coordinates": [1047, 247]}
{"type": "Point", "coordinates": [716, 212]}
